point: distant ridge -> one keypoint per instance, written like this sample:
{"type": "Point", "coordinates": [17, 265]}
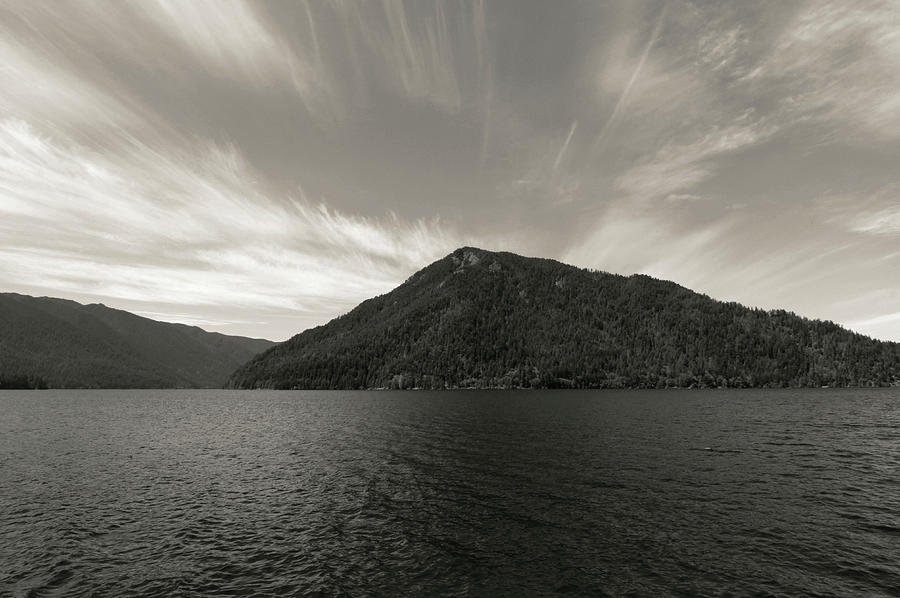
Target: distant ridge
{"type": "Point", "coordinates": [492, 320]}
{"type": "Point", "coordinates": [64, 344]}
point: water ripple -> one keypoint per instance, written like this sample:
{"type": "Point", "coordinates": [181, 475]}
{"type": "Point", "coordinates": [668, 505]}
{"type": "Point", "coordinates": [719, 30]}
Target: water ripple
{"type": "Point", "coordinates": [229, 493]}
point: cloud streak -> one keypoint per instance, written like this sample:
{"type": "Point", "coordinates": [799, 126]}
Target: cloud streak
{"type": "Point", "coordinates": [194, 235]}
{"type": "Point", "coordinates": [608, 126]}
{"type": "Point", "coordinates": [843, 63]}
{"type": "Point", "coordinates": [565, 146]}
{"type": "Point", "coordinates": [680, 166]}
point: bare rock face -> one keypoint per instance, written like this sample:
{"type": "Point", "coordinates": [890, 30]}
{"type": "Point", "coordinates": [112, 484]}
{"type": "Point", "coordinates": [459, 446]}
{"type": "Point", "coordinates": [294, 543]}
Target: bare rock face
{"type": "Point", "coordinates": [465, 259]}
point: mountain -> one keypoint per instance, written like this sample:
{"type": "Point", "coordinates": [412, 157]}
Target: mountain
{"type": "Point", "coordinates": [64, 344]}
{"type": "Point", "coordinates": [485, 319]}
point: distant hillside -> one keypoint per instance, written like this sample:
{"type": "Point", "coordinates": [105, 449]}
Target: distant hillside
{"type": "Point", "coordinates": [483, 319]}
{"type": "Point", "coordinates": [64, 344]}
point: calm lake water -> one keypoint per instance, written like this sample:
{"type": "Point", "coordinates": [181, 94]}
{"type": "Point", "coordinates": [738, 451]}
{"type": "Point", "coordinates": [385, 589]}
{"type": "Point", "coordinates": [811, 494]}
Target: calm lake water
{"type": "Point", "coordinates": [658, 493]}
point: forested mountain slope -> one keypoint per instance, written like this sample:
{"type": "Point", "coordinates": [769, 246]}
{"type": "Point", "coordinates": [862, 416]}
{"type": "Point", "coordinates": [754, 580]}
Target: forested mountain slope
{"type": "Point", "coordinates": [485, 319]}
{"type": "Point", "coordinates": [64, 344]}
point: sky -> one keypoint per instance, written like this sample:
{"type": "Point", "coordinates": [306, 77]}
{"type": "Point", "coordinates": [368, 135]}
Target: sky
{"type": "Point", "coordinates": [258, 168]}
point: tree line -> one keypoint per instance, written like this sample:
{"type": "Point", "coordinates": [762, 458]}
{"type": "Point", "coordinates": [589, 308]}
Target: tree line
{"type": "Point", "coordinates": [481, 319]}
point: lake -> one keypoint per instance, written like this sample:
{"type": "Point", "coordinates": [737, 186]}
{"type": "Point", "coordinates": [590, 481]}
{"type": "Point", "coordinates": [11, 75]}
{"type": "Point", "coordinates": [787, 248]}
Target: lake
{"type": "Point", "coordinates": [457, 493]}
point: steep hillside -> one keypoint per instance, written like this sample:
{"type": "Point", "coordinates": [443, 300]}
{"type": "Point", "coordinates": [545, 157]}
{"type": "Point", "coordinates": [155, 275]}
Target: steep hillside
{"type": "Point", "coordinates": [65, 344]}
{"type": "Point", "coordinates": [484, 319]}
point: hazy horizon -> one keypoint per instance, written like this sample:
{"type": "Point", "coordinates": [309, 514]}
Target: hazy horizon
{"type": "Point", "coordinates": [258, 168]}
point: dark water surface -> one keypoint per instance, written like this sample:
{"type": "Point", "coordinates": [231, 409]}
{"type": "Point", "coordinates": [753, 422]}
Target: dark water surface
{"type": "Point", "coordinates": [659, 493]}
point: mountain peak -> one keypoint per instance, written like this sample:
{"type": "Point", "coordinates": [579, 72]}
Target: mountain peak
{"type": "Point", "coordinates": [497, 319]}
{"type": "Point", "coordinates": [466, 257]}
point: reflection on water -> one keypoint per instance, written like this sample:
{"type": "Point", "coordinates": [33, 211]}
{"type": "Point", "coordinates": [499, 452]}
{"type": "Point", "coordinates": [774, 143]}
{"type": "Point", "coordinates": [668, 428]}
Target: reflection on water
{"type": "Point", "coordinates": [658, 493]}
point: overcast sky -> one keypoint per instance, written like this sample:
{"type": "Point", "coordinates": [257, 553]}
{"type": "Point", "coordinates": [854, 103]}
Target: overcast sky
{"type": "Point", "coordinates": [259, 168]}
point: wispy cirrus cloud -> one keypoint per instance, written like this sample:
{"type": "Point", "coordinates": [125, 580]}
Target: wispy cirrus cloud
{"type": "Point", "coordinates": [841, 62]}
{"type": "Point", "coordinates": [882, 222]}
{"type": "Point", "coordinates": [874, 211]}
{"type": "Point", "coordinates": [417, 50]}
{"type": "Point", "coordinates": [191, 233]}
{"type": "Point", "coordinates": [677, 167]}
{"type": "Point", "coordinates": [102, 198]}
{"type": "Point", "coordinates": [632, 240]}
{"type": "Point", "coordinates": [33, 86]}
{"type": "Point", "coordinates": [716, 114]}
{"type": "Point", "coordinates": [231, 38]}
{"type": "Point", "coordinates": [227, 35]}
{"type": "Point", "coordinates": [609, 124]}
{"type": "Point", "coordinates": [78, 46]}
{"type": "Point", "coordinates": [422, 57]}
